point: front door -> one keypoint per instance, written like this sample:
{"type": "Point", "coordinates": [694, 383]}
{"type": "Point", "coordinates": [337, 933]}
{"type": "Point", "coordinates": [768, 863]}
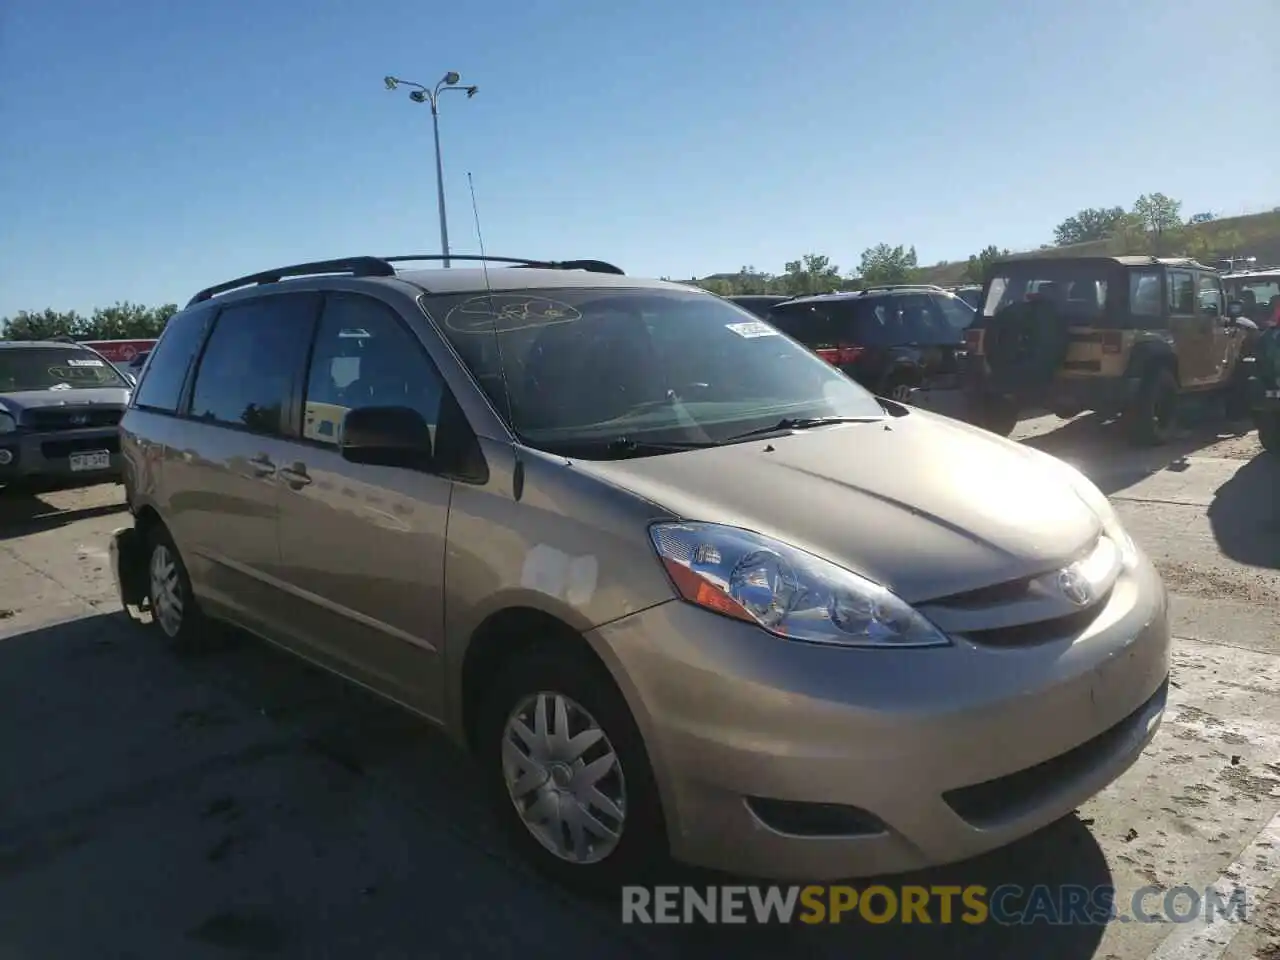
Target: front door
{"type": "Point", "coordinates": [1193, 331]}
{"type": "Point", "coordinates": [226, 473]}
{"type": "Point", "coordinates": [1226, 338]}
{"type": "Point", "coordinates": [362, 547]}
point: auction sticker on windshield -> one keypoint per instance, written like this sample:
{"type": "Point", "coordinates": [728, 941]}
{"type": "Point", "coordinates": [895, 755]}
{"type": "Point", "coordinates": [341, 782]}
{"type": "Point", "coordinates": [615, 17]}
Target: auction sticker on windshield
{"type": "Point", "coordinates": [752, 328]}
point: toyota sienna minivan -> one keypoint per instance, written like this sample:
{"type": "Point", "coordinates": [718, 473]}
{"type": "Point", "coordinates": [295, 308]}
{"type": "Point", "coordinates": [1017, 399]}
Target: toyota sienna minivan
{"type": "Point", "coordinates": [683, 588]}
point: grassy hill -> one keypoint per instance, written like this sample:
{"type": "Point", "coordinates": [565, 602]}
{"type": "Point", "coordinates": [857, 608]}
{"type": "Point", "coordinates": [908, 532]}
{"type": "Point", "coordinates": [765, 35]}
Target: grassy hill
{"type": "Point", "coordinates": [1255, 235]}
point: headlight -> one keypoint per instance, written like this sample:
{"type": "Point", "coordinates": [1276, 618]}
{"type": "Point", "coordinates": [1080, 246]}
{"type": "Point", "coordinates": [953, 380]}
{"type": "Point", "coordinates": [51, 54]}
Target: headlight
{"type": "Point", "coordinates": [7, 423]}
{"type": "Point", "coordinates": [788, 592]}
{"type": "Point", "coordinates": [1097, 501]}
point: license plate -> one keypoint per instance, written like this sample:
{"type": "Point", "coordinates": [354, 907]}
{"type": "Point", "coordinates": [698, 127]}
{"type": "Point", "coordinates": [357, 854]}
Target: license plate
{"type": "Point", "coordinates": [91, 460]}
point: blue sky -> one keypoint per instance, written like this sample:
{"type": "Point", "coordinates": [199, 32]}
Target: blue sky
{"type": "Point", "coordinates": [153, 147]}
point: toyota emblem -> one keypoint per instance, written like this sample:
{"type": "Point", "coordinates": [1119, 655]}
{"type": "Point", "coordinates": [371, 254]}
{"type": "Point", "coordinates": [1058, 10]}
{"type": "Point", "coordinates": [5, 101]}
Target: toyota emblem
{"type": "Point", "coordinates": [1075, 587]}
{"type": "Point", "coordinates": [79, 419]}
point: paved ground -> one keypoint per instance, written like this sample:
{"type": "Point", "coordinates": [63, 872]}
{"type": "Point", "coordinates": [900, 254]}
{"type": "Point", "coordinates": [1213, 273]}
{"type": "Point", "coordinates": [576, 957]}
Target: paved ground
{"type": "Point", "coordinates": [238, 803]}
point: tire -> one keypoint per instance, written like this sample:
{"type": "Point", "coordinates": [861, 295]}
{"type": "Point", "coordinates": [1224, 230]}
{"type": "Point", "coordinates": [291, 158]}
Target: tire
{"type": "Point", "coordinates": [1151, 417]}
{"type": "Point", "coordinates": [167, 584]}
{"type": "Point", "coordinates": [1269, 433]}
{"type": "Point", "coordinates": [997, 415]}
{"type": "Point", "coordinates": [545, 675]}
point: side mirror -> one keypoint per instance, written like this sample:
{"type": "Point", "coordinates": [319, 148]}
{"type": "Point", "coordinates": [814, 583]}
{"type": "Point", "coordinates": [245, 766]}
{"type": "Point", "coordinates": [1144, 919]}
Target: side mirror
{"type": "Point", "coordinates": [386, 437]}
{"type": "Point", "coordinates": [131, 377]}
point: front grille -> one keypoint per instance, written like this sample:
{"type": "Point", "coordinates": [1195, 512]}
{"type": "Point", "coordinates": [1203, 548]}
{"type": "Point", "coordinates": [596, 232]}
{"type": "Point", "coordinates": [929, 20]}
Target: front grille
{"type": "Point", "coordinates": [993, 801]}
{"type": "Point", "coordinates": [72, 418]}
{"type": "Point", "coordinates": [58, 449]}
{"type": "Point", "coordinates": [1041, 631]}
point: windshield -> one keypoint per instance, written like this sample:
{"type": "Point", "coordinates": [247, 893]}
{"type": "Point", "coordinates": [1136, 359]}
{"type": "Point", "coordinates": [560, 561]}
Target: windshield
{"type": "Point", "coordinates": [585, 367]}
{"type": "Point", "coordinates": [54, 368]}
{"type": "Point", "coordinates": [1078, 290]}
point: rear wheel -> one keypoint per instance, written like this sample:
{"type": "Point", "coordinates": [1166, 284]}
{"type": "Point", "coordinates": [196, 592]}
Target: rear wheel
{"type": "Point", "coordinates": [568, 772]}
{"type": "Point", "coordinates": [1151, 417]}
{"type": "Point", "coordinates": [173, 605]}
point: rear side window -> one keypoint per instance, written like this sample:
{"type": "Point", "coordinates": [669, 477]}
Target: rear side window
{"type": "Point", "coordinates": [161, 386]}
{"type": "Point", "coordinates": [1182, 293]}
{"type": "Point", "coordinates": [253, 361]}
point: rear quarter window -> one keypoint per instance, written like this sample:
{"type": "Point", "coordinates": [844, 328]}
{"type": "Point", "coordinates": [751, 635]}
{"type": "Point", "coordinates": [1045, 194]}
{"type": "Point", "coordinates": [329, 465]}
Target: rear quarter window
{"type": "Point", "coordinates": [164, 376]}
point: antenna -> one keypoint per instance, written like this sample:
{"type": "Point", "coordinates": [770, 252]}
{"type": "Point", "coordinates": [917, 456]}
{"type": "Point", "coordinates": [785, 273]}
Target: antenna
{"type": "Point", "coordinates": [517, 475]}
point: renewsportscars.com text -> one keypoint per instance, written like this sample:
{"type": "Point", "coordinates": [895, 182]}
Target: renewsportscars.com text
{"type": "Point", "coordinates": [1007, 905]}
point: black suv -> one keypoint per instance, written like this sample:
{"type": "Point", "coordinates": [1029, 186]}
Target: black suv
{"type": "Point", "coordinates": [758, 303]}
{"type": "Point", "coordinates": [891, 339]}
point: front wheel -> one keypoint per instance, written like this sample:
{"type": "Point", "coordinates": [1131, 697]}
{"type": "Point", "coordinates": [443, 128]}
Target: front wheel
{"type": "Point", "coordinates": [568, 772]}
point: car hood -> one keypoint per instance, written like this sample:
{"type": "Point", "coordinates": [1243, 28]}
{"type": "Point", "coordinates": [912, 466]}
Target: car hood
{"type": "Point", "coordinates": [96, 396]}
{"type": "Point", "coordinates": [924, 505]}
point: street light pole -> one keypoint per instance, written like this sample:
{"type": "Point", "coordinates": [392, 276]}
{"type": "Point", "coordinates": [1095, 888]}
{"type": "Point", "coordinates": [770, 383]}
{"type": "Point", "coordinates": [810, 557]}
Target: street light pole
{"type": "Point", "coordinates": [444, 220]}
{"type": "Point", "coordinates": [431, 96]}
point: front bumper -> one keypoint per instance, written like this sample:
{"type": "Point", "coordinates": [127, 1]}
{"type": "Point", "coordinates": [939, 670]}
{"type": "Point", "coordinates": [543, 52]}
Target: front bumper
{"type": "Point", "coordinates": [60, 454]}
{"type": "Point", "coordinates": [902, 747]}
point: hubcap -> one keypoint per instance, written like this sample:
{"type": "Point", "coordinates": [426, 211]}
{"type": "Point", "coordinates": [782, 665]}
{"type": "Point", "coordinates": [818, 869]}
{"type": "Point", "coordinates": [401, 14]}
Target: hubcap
{"type": "Point", "coordinates": [564, 778]}
{"type": "Point", "coordinates": [166, 591]}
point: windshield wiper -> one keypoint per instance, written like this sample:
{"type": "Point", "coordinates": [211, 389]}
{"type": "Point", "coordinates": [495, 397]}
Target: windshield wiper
{"type": "Point", "coordinates": [626, 444]}
{"type": "Point", "coordinates": [795, 423]}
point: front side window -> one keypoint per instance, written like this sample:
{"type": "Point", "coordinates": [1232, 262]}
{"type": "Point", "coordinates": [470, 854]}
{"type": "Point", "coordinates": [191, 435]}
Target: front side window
{"type": "Point", "coordinates": [1209, 295]}
{"type": "Point", "coordinates": [588, 367]}
{"type": "Point", "coordinates": [251, 361]}
{"type": "Point", "coordinates": [364, 357]}
{"type": "Point", "coordinates": [55, 368]}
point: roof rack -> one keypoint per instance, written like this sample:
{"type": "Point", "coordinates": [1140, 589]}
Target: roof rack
{"type": "Point", "coordinates": [591, 266]}
{"type": "Point", "coordinates": [900, 286]}
{"type": "Point", "coordinates": [350, 266]}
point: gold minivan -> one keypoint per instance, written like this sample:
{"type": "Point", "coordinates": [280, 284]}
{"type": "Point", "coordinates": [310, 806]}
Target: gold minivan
{"type": "Point", "coordinates": [681, 587]}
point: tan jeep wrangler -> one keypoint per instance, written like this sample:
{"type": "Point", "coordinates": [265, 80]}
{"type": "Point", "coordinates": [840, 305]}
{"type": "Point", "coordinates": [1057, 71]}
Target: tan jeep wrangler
{"type": "Point", "coordinates": [1118, 336]}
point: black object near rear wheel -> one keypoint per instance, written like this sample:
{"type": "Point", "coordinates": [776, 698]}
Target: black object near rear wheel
{"type": "Point", "coordinates": [1269, 432]}
{"type": "Point", "coordinates": [996, 414]}
{"type": "Point", "coordinates": [1150, 419]}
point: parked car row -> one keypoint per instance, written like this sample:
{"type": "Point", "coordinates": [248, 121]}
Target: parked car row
{"type": "Point", "coordinates": [680, 586]}
{"type": "Point", "coordinates": [1119, 336]}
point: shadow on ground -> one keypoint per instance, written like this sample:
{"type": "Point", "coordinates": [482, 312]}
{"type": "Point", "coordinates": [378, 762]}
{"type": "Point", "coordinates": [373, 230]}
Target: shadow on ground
{"type": "Point", "coordinates": [1101, 450]}
{"type": "Point", "coordinates": [239, 800]}
{"type": "Point", "coordinates": [24, 511]}
{"type": "Point", "coordinates": [1245, 514]}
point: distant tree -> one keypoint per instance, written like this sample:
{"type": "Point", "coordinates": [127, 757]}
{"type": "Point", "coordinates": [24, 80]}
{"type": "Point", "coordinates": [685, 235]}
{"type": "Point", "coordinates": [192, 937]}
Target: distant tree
{"type": "Point", "coordinates": [122, 321]}
{"type": "Point", "coordinates": [1092, 223]}
{"type": "Point", "coordinates": [1160, 218]}
{"type": "Point", "coordinates": [812, 273]}
{"type": "Point", "coordinates": [976, 269]}
{"type": "Point", "coordinates": [885, 264]}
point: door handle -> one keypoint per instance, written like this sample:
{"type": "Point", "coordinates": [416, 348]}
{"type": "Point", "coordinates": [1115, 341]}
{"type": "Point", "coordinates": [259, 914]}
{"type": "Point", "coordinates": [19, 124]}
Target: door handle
{"type": "Point", "coordinates": [295, 475]}
{"type": "Point", "coordinates": [261, 465]}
